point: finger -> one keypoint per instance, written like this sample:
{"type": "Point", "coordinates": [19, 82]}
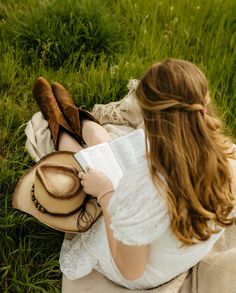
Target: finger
{"type": "Point", "coordinates": [81, 174]}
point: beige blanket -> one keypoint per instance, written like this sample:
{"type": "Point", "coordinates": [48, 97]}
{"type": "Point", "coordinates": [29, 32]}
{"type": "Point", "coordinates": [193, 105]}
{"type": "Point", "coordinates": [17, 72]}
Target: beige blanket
{"type": "Point", "coordinates": [215, 273]}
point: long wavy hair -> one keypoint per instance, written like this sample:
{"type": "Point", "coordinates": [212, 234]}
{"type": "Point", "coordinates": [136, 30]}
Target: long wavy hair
{"type": "Point", "coordinates": [186, 146]}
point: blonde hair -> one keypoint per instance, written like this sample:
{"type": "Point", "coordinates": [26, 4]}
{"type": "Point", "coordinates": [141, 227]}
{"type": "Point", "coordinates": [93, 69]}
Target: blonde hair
{"type": "Point", "coordinates": [187, 148]}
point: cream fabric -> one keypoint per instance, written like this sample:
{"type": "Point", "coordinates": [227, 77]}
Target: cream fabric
{"type": "Point", "coordinates": [123, 112]}
{"type": "Point", "coordinates": [216, 273]}
{"type": "Point", "coordinates": [207, 276]}
{"type": "Point", "coordinates": [38, 142]}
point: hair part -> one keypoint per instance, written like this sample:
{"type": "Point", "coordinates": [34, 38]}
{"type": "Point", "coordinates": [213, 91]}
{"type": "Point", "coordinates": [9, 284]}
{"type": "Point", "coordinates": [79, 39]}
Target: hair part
{"type": "Point", "coordinates": [187, 148]}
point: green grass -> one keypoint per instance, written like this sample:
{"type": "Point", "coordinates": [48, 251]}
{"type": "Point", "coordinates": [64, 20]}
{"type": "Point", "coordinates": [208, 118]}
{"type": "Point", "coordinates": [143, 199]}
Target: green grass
{"type": "Point", "coordinates": [93, 48]}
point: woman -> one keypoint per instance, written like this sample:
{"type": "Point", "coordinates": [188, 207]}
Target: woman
{"type": "Point", "coordinates": [165, 216]}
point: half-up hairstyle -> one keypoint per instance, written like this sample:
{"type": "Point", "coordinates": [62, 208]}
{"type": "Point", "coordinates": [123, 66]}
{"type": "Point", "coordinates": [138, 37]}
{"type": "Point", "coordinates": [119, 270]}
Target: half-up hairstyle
{"type": "Point", "coordinates": [185, 145]}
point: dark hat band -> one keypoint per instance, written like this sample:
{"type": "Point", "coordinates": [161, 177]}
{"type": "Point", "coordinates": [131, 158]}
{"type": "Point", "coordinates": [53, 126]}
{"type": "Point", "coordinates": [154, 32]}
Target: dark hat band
{"type": "Point", "coordinates": [42, 209]}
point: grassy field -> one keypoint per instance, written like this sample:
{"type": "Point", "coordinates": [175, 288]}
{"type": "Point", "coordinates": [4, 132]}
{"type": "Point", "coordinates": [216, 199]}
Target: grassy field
{"type": "Point", "coordinates": [93, 48]}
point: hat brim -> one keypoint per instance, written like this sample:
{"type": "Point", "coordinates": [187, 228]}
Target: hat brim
{"type": "Point", "coordinates": [22, 195]}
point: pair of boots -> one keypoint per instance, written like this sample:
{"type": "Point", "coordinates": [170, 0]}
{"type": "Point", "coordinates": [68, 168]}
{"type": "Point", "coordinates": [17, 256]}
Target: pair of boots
{"type": "Point", "coordinates": [59, 110]}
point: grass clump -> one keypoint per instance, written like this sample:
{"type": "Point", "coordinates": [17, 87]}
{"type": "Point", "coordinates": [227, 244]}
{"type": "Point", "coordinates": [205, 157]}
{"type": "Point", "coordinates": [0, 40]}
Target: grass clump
{"type": "Point", "coordinates": [55, 30]}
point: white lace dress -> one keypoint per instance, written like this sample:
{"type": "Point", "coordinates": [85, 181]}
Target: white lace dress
{"type": "Point", "coordinates": [139, 216]}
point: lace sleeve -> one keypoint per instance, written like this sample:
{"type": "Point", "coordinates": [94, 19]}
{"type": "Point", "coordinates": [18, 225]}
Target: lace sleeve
{"type": "Point", "coordinates": [138, 214]}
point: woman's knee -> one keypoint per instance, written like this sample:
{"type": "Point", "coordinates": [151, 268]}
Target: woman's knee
{"type": "Point", "coordinates": [93, 133]}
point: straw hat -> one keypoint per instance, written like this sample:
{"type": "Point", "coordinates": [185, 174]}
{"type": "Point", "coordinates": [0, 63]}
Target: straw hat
{"type": "Point", "coordinates": [52, 193]}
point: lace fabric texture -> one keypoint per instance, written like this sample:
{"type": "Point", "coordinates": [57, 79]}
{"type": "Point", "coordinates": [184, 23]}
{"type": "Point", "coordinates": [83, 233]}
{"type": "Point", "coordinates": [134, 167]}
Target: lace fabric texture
{"type": "Point", "coordinates": [138, 217]}
{"type": "Point", "coordinates": [139, 214]}
{"type": "Point", "coordinates": [74, 260]}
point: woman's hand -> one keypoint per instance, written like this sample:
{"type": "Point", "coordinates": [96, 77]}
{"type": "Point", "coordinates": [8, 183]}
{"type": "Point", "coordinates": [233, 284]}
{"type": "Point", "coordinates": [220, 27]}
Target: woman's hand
{"type": "Point", "coordinates": [95, 182]}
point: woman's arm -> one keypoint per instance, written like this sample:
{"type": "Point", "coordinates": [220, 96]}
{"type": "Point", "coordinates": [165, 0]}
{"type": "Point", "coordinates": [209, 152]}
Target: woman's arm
{"type": "Point", "coordinates": [130, 260]}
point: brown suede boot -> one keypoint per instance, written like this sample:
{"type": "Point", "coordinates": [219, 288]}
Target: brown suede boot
{"type": "Point", "coordinates": [71, 112]}
{"type": "Point", "coordinates": [44, 97]}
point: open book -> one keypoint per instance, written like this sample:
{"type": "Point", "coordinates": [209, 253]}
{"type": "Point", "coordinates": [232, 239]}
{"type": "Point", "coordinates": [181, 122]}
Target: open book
{"type": "Point", "coordinates": [116, 156]}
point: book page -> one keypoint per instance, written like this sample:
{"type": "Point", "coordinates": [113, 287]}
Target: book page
{"type": "Point", "coordinates": [101, 158]}
{"type": "Point", "coordinates": [129, 149]}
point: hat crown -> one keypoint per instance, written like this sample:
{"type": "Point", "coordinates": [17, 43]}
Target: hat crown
{"type": "Point", "coordinates": [61, 181]}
